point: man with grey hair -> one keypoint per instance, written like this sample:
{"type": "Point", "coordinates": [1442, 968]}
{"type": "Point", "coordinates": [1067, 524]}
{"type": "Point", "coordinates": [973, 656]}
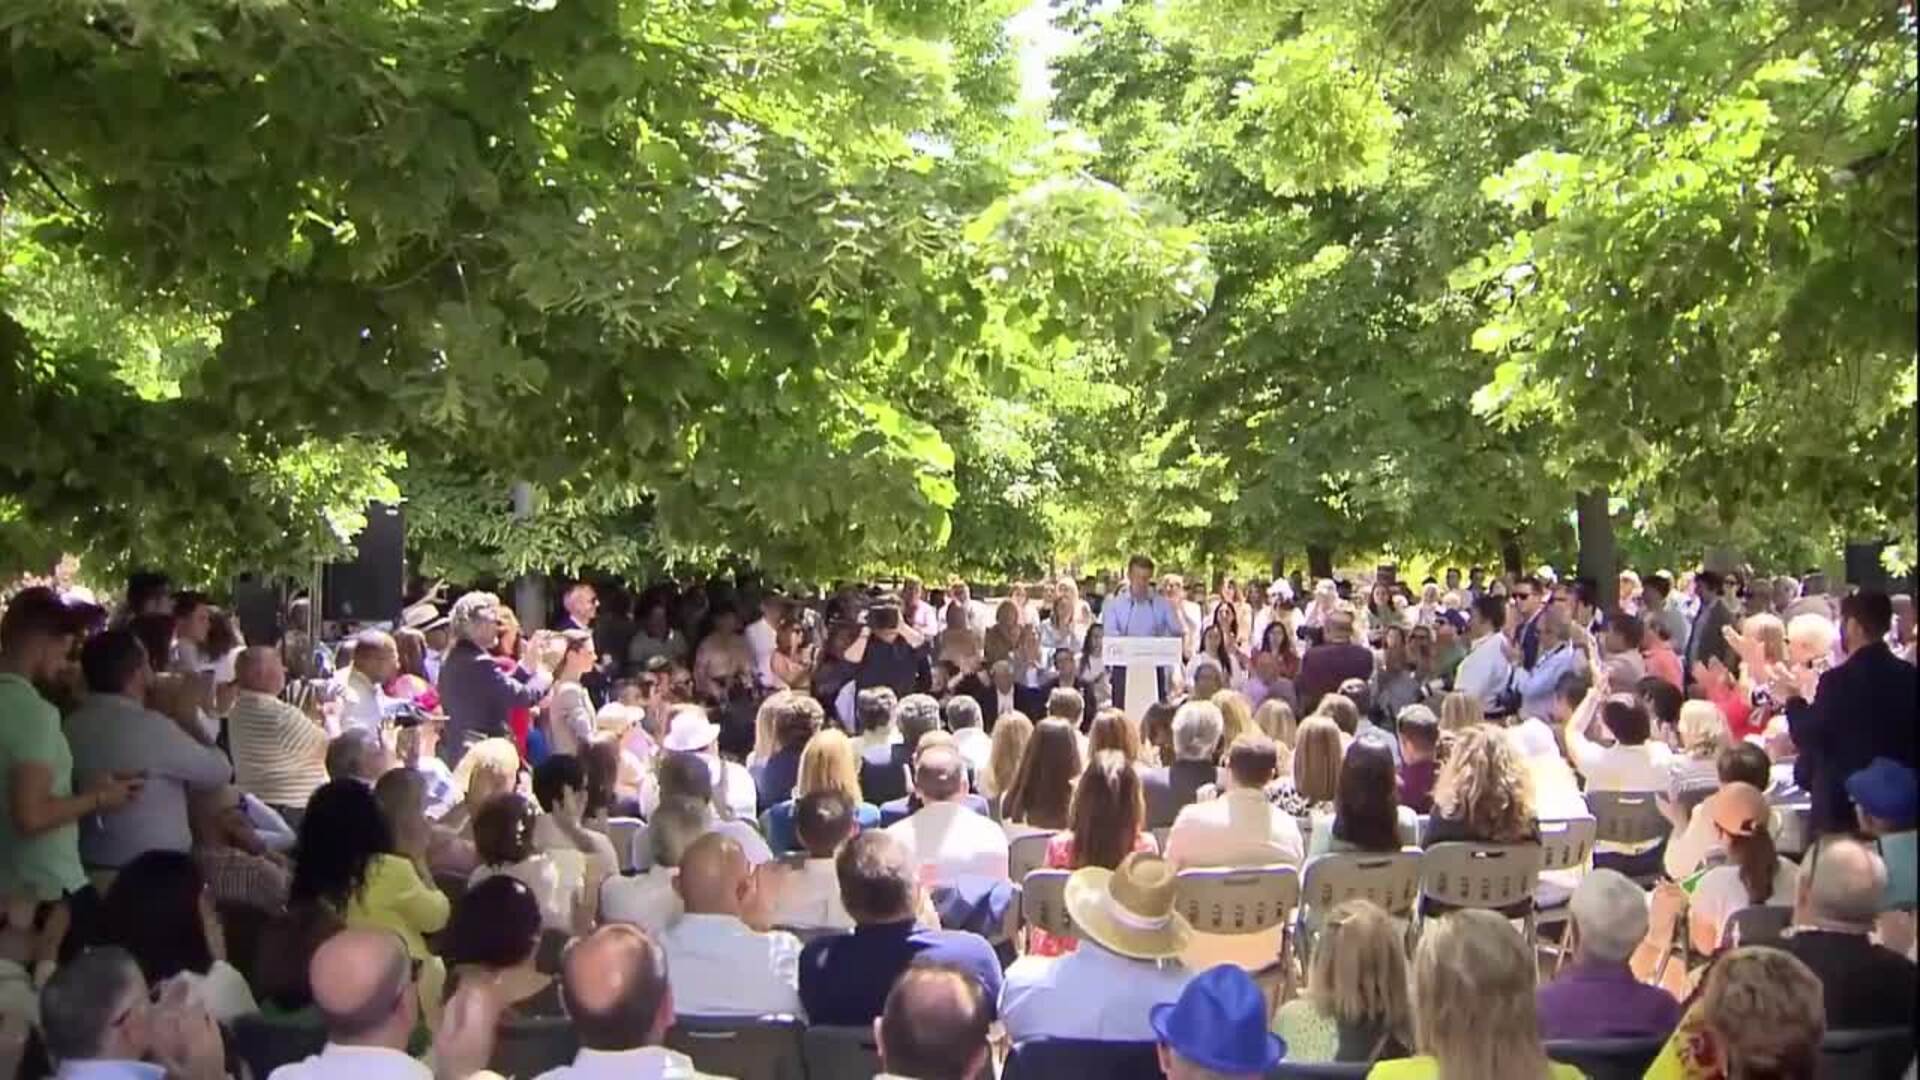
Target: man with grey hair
{"type": "Point", "coordinates": [974, 744]}
{"type": "Point", "coordinates": [1842, 883]}
{"type": "Point", "coordinates": [95, 1021]}
{"type": "Point", "coordinates": [475, 694]}
{"type": "Point", "coordinates": [884, 761]}
{"type": "Point", "coordinates": [917, 716]}
{"type": "Point", "coordinates": [1598, 997]}
{"type": "Point", "coordinates": [357, 754]}
{"type": "Point", "coordinates": [1557, 657]}
{"type": "Point", "coordinates": [944, 832]}
{"type": "Point", "coordinates": [1196, 746]}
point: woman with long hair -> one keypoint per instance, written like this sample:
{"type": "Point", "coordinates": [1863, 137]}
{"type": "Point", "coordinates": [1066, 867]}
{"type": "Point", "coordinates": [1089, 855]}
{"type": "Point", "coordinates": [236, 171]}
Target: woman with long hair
{"type": "Point", "coordinates": [1042, 790]}
{"type": "Point", "coordinates": [1314, 778]}
{"type": "Point", "coordinates": [1114, 730]}
{"type": "Point", "coordinates": [411, 682]}
{"type": "Point", "coordinates": [1460, 711]}
{"type": "Point", "coordinates": [828, 763]}
{"type": "Point", "coordinates": [1010, 735]}
{"type": "Point", "coordinates": [1278, 642]}
{"type": "Point", "coordinates": [1107, 822]}
{"type": "Point", "coordinates": [1275, 720]}
{"type": "Point", "coordinates": [1473, 1006]}
{"type": "Point", "coordinates": [1065, 626]}
{"type": "Point", "coordinates": [1396, 682]}
{"type": "Point", "coordinates": [348, 861]}
{"type": "Point", "coordinates": [1156, 732]}
{"type": "Point", "coordinates": [1367, 815]}
{"type": "Point", "coordinates": [1356, 1005]}
{"type": "Point", "coordinates": [569, 708]}
{"type": "Point", "coordinates": [1236, 716]}
{"type": "Point", "coordinates": [1002, 639]}
{"type": "Point", "coordinates": [158, 909]}
{"type": "Point", "coordinates": [503, 838]}
{"type": "Point", "coordinates": [1754, 873]}
{"type": "Point", "coordinates": [492, 940]}
{"type": "Point", "coordinates": [1484, 795]}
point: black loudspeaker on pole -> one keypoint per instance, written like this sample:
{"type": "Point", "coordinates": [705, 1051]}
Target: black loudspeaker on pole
{"type": "Point", "coordinates": [368, 589]}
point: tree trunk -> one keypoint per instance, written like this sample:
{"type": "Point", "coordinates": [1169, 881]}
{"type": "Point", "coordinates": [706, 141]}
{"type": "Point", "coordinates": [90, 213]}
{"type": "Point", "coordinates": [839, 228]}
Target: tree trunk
{"type": "Point", "coordinates": [1599, 562]}
{"type": "Point", "coordinates": [1278, 565]}
{"type": "Point", "coordinates": [529, 590]}
{"type": "Point", "coordinates": [1319, 561]}
{"type": "Point", "coordinates": [1510, 558]}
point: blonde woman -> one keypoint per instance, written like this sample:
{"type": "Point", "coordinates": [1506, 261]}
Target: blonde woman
{"type": "Point", "coordinates": [1275, 720]}
{"type": "Point", "coordinates": [1236, 715]}
{"type": "Point", "coordinates": [827, 764]}
{"type": "Point", "coordinates": [1761, 1013]}
{"type": "Point", "coordinates": [1473, 1006]}
{"type": "Point", "coordinates": [1315, 776]}
{"type": "Point", "coordinates": [1483, 795]}
{"type": "Point", "coordinates": [490, 767]}
{"type": "Point", "coordinates": [1355, 1007]}
{"type": "Point", "coordinates": [1459, 711]}
{"type": "Point", "coordinates": [1703, 733]}
{"type": "Point", "coordinates": [1340, 709]}
{"type": "Point", "coordinates": [1010, 735]}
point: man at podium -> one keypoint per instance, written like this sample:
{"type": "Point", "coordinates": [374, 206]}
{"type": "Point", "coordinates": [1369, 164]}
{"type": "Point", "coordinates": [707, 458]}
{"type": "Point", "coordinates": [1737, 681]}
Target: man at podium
{"type": "Point", "coordinates": [1138, 612]}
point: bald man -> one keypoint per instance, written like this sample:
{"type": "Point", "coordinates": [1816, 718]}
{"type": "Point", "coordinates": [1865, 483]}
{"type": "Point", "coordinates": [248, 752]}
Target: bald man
{"type": "Point", "coordinates": [279, 753]}
{"type": "Point", "coordinates": [376, 660]}
{"type": "Point", "coordinates": [614, 984]}
{"type": "Point", "coordinates": [721, 966]}
{"type": "Point", "coordinates": [1839, 897]}
{"type": "Point", "coordinates": [945, 833]}
{"type": "Point", "coordinates": [935, 1025]}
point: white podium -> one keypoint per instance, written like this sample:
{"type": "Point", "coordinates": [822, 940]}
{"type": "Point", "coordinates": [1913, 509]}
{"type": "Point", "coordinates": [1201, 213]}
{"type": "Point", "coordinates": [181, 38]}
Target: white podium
{"type": "Point", "coordinates": [1141, 658]}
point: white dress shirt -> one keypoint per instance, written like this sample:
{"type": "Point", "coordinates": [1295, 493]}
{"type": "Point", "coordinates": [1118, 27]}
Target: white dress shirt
{"type": "Point", "coordinates": [642, 1063]}
{"type": "Point", "coordinates": [356, 1063]}
{"type": "Point", "coordinates": [810, 897]}
{"type": "Point", "coordinates": [362, 705]}
{"type": "Point", "coordinates": [1484, 671]}
{"type": "Point", "coordinates": [109, 1069]}
{"type": "Point", "coordinates": [760, 638]}
{"type": "Point", "coordinates": [976, 746]}
{"type": "Point", "coordinates": [648, 901]}
{"type": "Point", "coordinates": [1003, 704]}
{"type": "Point", "coordinates": [1240, 828]}
{"type": "Point", "coordinates": [1089, 993]}
{"type": "Point", "coordinates": [718, 966]}
{"type": "Point", "coordinates": [924, 620]}
{"type": "Point", "coordinates": [557, 879]}
{"type": "Point", "coordinates": [955, 841]}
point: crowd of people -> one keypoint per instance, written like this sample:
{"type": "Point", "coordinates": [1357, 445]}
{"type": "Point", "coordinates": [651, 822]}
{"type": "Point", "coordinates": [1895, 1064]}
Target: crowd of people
{"type": "Point", "coordinates": [729, 802]}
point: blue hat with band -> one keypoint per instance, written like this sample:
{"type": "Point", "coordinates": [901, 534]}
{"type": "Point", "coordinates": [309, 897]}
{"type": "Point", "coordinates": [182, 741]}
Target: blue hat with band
{"type": "Point", "coordinates": [1220, 1023]}
{"type": "Point", "coordinates": [1887, 790]}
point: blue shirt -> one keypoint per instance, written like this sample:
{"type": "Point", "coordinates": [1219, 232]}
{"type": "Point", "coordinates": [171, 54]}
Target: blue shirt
{"type": "Point", "coordinates": [777, 822]}
{"type": "Point", "coordinates": [844, 978]}
{"type": "Point", "coordinates": [775, 778]}
{"type": "Point", "coordinates": [1536, 686]}
{"type": "Point", "coordinates": [1125, 616]}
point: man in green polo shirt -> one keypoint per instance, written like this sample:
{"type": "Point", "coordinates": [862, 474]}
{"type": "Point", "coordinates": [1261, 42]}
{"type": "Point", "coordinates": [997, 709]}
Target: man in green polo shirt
{"type": "Point", "coordinates": [39, 812]}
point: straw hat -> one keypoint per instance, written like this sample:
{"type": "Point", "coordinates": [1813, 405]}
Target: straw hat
{"type": "Point", "coordinates": [1129, 910]}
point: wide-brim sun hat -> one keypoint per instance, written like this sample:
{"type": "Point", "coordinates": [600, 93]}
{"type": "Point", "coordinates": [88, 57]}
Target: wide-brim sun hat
{"type": "Point", "coordinates": [1129, 911]}
{"type": "Point", "coordinates": [1220, 1024]}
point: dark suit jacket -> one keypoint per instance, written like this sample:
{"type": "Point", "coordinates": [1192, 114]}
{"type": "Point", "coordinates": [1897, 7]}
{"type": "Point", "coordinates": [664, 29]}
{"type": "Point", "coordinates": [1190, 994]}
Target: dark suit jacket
{"type": "Point", "coordinates": [1863, 709]}
{"type": "Point", "coordinates": [1325, 667]}
{"type": "Point", "coordinates": [1706, 639]}
{"type": "Point", "coordinates": [883, 773]}
{"type": "Point", "coordinates": [1865, 985]}
{"type": "Point", "coordinates": [1036, 698]}
{"type": "Point", "coordinates": [1168, 789]}
{"type": "Point", "coordinates": [899, 809]}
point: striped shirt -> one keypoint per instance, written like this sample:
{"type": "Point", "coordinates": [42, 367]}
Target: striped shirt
{"type": "Point", "coordinates": [279, 754]}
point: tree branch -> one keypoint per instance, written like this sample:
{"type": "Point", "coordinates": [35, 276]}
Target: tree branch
{"type": "Point", "coordinates": [45, 178]}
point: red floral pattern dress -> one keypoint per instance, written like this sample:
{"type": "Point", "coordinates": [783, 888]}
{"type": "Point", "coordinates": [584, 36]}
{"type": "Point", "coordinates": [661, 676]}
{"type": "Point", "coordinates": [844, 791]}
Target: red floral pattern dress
{"type": "Point", "coordinates": [1060, 857]}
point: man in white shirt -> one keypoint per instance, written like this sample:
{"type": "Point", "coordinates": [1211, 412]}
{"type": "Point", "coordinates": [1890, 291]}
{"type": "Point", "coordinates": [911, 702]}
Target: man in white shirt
{"type": "Point", "coordinates": [763, 637]}
{"type": "Point", "coordinates": [719, 965]}
{"type": "Point", "coordinates": [690, 731]}
{"type": "Point", "coordinates": [953, 840]}
{"type": "Point", "coordinates": [974, 744]}
{"type": "Point", "coordinates": [96, 1022]}
{"type": "Point", "coordinates": [618, 996]}
{"type": "Point", "coordinates": [1238, 829]}
{"type": "Point", "coordinates": [375, 662]}
{"type": "Point", "coordinates": [1485, 671]}
{"type": "Point", "coordinates": [1130, 938]}
{"type": "Point", "coordinates": [810, 896]}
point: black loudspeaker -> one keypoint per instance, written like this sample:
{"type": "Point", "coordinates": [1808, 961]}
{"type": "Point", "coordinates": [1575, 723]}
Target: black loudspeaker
{"type": "Point", "coordinates": [256, 603]}
{"type": "Point", "coordinates": [1864, 569]}
{"type": "Point", "coordinates": [367, 589]}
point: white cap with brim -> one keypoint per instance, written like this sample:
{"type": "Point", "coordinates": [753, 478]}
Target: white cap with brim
{"type": "Point", "coordinates": [688, 729]}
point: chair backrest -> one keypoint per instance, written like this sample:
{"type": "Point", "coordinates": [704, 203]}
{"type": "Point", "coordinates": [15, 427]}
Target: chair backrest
{"type": "Point", "coordinates": [1420, 823]}
{"type": "Point", "coordinates": [1794, 825]}
{"type": "Point", "coordinates": [266, 1043]}
{"type": "Point", "coordinates": [531, 1047]}
{"type": "Point", "coordinates": [1608, 1059]}
{"type": "Point", "coordinates": [745, 1048]}
{"type": "Point", "coordinates": [1627, 817]}
{"type": "Point", "coordinates": [1870, 1054]}
{"type": "Point", "coordinates": [621, 832]}
{"type": "Point", "coordinates": [1480, 875]}
{"type": "Point", "coordinates": [1047, 1059]}
{"type": "Point", "coordinates": [1026, 853]}
{"type": "Point", "coordinates": [1043, 901]}
{"type": "Point", "coordinates": [1760, 924]}
{"type": "Point", "coordinates": [1566, 844]}
{"type": "Point", "coordinates": [1389, 879]}
{"type": "Point", "coordinates": [841, 1053]}
{"type": "Point", "coordinates": [1320, 1070]}
{"type": "Point", "coordinates": [1237, 900]}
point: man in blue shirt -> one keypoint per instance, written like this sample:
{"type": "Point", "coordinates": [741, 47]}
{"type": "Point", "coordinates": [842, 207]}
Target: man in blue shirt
{"type": "Point", "coordinates": [1557, 658]}
{"type": "Point", "coordinates": [1138, 612]}
{"type": "Point", "coordinates": [844, 978]}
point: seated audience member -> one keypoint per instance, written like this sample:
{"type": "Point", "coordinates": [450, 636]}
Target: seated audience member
{"type": "Point", "coordinates": [690, 731]}
{"type": "Point", "coordinates": [1694, 839]}
{"type": "Point", "coordinates": [490, 768]}
{"type": "Point", "coordinates": [1313, 782]}
{"type": "Point", "coordinates": [900, 809]}
{"type": "Point", "coordinates": [1419, 734]}
{"type": "Point", "coordinates": [492, 940]}
{"type": "Point", "coordinates": [96, 1022]}
{"type": "Point", "coordinates": [362, 987]}
{"type": "Point", "coordinates": [114, 732]}
{"type": "Point", "coordinates": [1598, 996]}
{"type": "Point", "coordinates": [357, 754]}
{"type": "Point", "coordinates": [1483, 795]}
{"type": "Point", "coordinates": [1460, 711]}
{"type": "Point", "coordinates": [934, 1025]}
{"type": "Point", "coordinates": [1693, 774]}
{"type": "Point", "coordinates": [402, 795]}
{"type": "Point", "coordinates": [1367, 815]}
{"type": "Point", "coordinates": [1156, 743]}
{"type": "Point", "coordinates": [944, 833]}
{"type": "Point", "coordinates": [159, 911]}
{"type": "Point", "coordinates": [279, 753]}
{"type": "Point", "coordinates": [1473, 1011]}
{"type": "Point", "coordinates": [1069, 704]}
{"type": "Point", "coordinates": [1108, 815]}
{"type": "Point", "coordinates": [1758, 1013]}
{"type": "Point", "coordinates": [1197, 726]}
{"type": "Point", "coordinates": [1635, 762]}
{"type": "Point", "coordinates": [347, 860]}
{"type": "Point", "coordinates": [1130, 937]}
{"type": "Point", "coordinates": [1041, 795]}
{"type": "Point", "coordinates": [503, 840]}
{"type": "Point", "coordinates": [1239, 828]}
{"type": "Point", "coordinates": [827, 766]}
{"type": "Point", "coordinates": [975, 745]}
{"type": "Point", "coordinates": [687, 776]}
{"type": "Point", "coordinates": [1865, 985]}
{"type": "Point", "coordinates": [794, 718]}
{"type": "Point", "coordinates": [649, 900]}
{"type": "Point", "coordinates": [1754, 873]}
{"type": "Point", "coordinates": [810, 896]}
{"type": "Point", "coordinates": [1556, 788]}
{"type": "Point", "coordinates": [1114, 730]}
{"type": "Point", "coordinates": [720, 965]}
{"type": "Point", "coordinates": [229, 853]}
{"type": "Point", "coordinates": [1216, 1029]}
{"type": "Point", "coordinates": [1885, 798]}
{"type": "Point", "coordinates": [1344, 710]}
{"type": "Point", "coordinates": [1355, 1006]}
{"type": "Point", "coordinates": [844, 977]}
{"type": "Point", "coordinates": [1010, 736]}
{"type": "Point", "coordinates": [618, 997]}
{"type": "Point", "coordinates": [560, 786]}
{"type": "Point", "coordinates": [883, 761]}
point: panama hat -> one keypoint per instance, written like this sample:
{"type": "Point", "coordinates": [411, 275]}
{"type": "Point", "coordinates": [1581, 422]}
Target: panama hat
{"type": "Point", "coordinates": [688, 729]}
{"type": "Point", "coordinates": [1220, 1024]}
{"type": "Point", "coordinates": [423, 617]}
{"type": "Point", "coordinates": [1129, 910]}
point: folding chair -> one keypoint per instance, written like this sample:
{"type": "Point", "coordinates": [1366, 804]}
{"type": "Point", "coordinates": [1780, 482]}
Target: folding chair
{"type": "Point", "coordinates": [841, 1053]}
{"type": "Point", "coordinates": [1026, 853]}
{"type": "Point", "coordinates": [1870, 1054]}
{"type": "Point", "coordinates": [1389, 879]}
{"type": "Point", "coordinates": [1564, 845]}
{"type": "Point", "coordinates": [621, 832]}
{"type": "Point", "coordinates": [1629, 817]}
{"type": "Point", "coordinates": [1043, 901]}
{"type": "Point", "coordinates": [1490, 876]}
{"type": "Point", "coordinates": [1246, 900]}
{"type": "Point", "coordinates": [1608, 1059]}
{"type": "Point", "coordinates": [266, 1043]}
{"type": "Point", "coordinates": [1091, 1059]}
{"type": "Point", "coordinates": [532, 1047]}
{"type": "Point", "coordinates": [745, 1048]}
{"type": "Point", "coordinates": [1795, 824]}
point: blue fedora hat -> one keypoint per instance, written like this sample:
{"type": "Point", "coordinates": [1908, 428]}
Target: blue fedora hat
{"type": "Point", "coordinates": [1220, 1023]}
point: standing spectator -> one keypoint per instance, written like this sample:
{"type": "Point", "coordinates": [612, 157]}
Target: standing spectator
{"type": "Point", "coordinates": [1196, 730]}
{"type": "Point", "coordinates": [376, 660]}
{"type": "Point", "coordinates": [113, 732]}
{"type": "Point", "coordinates": [1885, 796]}
{"type": "Point", "coordinates": [655, 637]}
{"type": "Point", "coordinates": [887, 654]}
{"type": "Point", "coordinates": [159, 910]}
{"type": "Point", "coordinates": [1473, 1008]}
{"type": "Point", "coordinates": [1130, 935]}
{"type": "Point", "coordinates": [1663, 612]}
{"type": "Point", "coordinates": [844, 977]}
{"type": "Point", "coordinates": [570, 709]}
{"type": "Point", "coordinates": [763, 638]}
{"type": "Point", "coordinates": [1706, 636]}
{"type": "Point", "coordinates": [916, 612]}
{"type": "Point", "coordinates": [719, 965]}
{"type": "Point", "coordinates": [1139, 612]}
{"type": "Point", "coordinates": [1863, 709]}
{"type": "Point", "coordinates": [944, 834]}
{"type": "Point", "coordinates": [827, 765]}
{"type": "Point", "coordinates": [1759, 1013]}
{"type": "Point", "coordinates": [1485, 672]}
{"type": "Point", "coordinates": [1419, 734]}
{"type": "Point", "coordinates": [1335, 660]}
{"type": "Point", "coordinates": [411, 683]}
{"type": "Point", "coordinates": [1557, 658]}
{"type": "Point", "coordinates": [1216, 1029]}
{"type": "Point", "coordinates": [476, 694]}
{"type": "Point", "coordinates": [1598, 996]}
{"type": "Point", "coordinates": [934, 1025]}
{"type": "Point", "coordinates": [279, 753]}
{"type": "Point", "coordinates": [1355, 1007]}
{"type": "Point", "coordinates": [1865, 985]}
{"type": "Point", "coordinates": [1041, 793]}
{"type": "Point", "coordinates": [1529, 601]}
{"type": "Point", "coordinates": [1108, 816]}
{"type": "Point", "coordinates": [1657, 654]}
